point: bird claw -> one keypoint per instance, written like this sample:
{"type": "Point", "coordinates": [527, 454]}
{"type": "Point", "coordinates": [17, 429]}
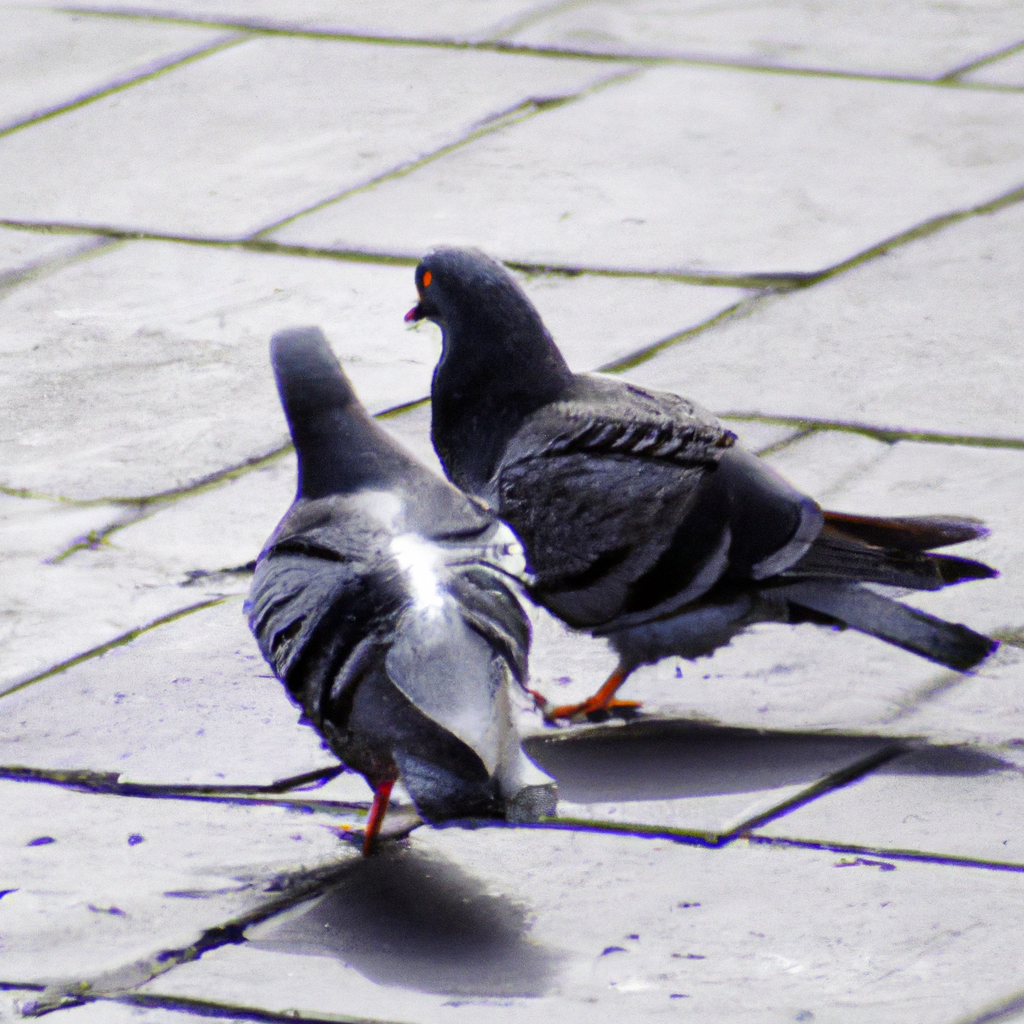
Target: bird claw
{"type": "Point", "coordinates": [589, 711]}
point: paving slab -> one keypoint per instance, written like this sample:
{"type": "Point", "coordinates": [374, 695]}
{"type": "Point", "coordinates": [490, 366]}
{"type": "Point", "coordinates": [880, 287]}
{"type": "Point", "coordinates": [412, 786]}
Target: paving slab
{"type": "Point", "coordinates": [98, 882]}
{"type": "Point", "coordinates": [890, 330]}
{"type": "Point", "coordinates": [879, 37]}
{"type": "Point", "coordinates": [1008, 71]}
{"type": "Point", "coordinates": [700, 170]}
{"type": "Point", "coordinates": [455, 20]}
{"type": "Point", "coordinates": [332, 115]}
{"type": "Point", "coordinates": [191, 702]}
{"type": "Point", "coordinates": [144, 368]}
{"type": "Point", "coordinates": [938, 801]}
{"type": "Point", "coordinates": [52, 58]}
{"type": "Point", "coordinates": [524, 925]}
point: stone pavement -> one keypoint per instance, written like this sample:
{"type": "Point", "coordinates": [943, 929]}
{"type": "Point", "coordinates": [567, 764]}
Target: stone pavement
{"type": "Point", "coordinates": [807, 215]}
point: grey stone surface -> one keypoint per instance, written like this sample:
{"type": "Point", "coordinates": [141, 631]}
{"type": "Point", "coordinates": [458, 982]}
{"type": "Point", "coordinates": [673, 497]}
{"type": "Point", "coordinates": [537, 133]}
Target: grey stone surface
{"type": "Point", "coordinates": [1008, 71]}
{"type": "Point", "coordinates": [191, 702]}
{"type": "Point", "coordinates": [922, 338]}
{"type": "Point", "coordinates": [700, 169]}
{"type": "Point", "coordinates": [332, 115]}
{"type": "Point", "coordinates": [52, 58]}
{"type": "Point", "coordinates": [52, 611]}
{"type": "Point", "coordinates": [124, 879]}
{"type": "Point", "coordinates": [448, 19]}
{"type": "Point", "coordinates": [24, 250]}
{"type": "Point", "coordinates": [879, 37]}
{"type": "Point", "coordinates": [942, 801]}
{"type": "Point", "coordinates": [145, 367]}
{"type": "Point", "coordinates": [517, 926]}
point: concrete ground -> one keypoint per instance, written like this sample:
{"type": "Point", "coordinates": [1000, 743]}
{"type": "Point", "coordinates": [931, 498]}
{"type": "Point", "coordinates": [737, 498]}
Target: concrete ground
{"type": "Point", "coordinates": [806, 214]}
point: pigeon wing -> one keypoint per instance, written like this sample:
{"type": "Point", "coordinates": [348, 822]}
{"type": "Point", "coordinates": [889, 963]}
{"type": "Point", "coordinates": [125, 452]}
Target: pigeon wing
{"type": "Point", "coordinates": [596, 487]}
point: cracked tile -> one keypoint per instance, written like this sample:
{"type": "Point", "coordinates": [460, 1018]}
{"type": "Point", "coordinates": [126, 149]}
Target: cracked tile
{"type": "Point", "coordinates": [702, 170]}
{"type": "Point", "coordinates": [51, 58]}
{"type": "Point", "coordinates": [882, 37]}
{"type": "Point", "coordinates": [445, 19]}
{"type": "Point", "coordinates": [500, 925]}
{"type": "Point", "coordinates": [99, 882]}
{"type": "Point", "coordinates": [226, 145]}
{"type": "Point", "coordinates": [917, 339]}
{"type": "Point", "coordinates": [941, 801]}
{"type": "Point", "coordinates": [171, 707]}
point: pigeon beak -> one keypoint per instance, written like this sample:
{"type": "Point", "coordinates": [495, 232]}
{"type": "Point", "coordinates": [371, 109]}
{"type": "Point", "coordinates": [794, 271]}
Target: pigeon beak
{"type": "Point", "coordinates": [414, 314]}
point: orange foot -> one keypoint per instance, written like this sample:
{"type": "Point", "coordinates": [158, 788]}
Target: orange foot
{"type": "Point", "coordinates": [593, 709]}
{"type": "Point", "coordinates": [381, 797]}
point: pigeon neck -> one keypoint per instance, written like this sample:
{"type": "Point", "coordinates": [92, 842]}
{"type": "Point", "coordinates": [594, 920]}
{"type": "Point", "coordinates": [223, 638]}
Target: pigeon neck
{"type": "Point", "coordinates": [341, 450]}
{"type": "Point", "coordinates": [490, 378]}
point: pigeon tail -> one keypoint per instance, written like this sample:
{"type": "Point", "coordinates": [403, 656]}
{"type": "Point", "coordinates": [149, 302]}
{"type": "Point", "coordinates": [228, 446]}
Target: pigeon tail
{"type": "Point", "coordinates": [948, 643]}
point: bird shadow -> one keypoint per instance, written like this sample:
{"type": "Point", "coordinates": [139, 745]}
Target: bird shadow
{"type": "Point", "coordinates": [405, 919]}
{"type": "Point", "coordinates": [667, 760]}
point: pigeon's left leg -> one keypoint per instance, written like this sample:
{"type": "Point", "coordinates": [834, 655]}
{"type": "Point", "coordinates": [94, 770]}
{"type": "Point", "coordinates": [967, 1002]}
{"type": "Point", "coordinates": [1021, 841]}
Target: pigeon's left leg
{"type": "Point", "coordinates": [381, 796]}
{"type": "Point", "coordinates": [603, 700]}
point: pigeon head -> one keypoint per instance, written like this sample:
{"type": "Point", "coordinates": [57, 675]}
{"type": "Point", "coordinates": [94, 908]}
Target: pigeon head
{"type": "Point", "coordinates": [340, 449]}
{"type": "Point", "coordinates": [498, 361]}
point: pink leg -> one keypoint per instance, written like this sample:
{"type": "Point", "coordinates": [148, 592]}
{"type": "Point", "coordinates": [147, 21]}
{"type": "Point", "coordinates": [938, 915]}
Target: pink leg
{"type": "Point", "coordinates": [381, 796]}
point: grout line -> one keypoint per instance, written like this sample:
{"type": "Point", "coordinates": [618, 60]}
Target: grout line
{"type": "Point", "coordinates": [781, 281]}
{"type": "Point", "coordinates": [648, 352]}
{"type": "Point", "coordinates": [980, 62]}
{"type": "Point", "coordinates": [948, 860]}
{"type": "Point", "coordinates": [886, 434]}
{"type": "Point", "coordinates": [106, 784]}
{"type": "Point", "coordinates": [524, 111]}
{"type": "Point", "coordinates": [829, 784]}
{"type": "Point", "coordinates": [172, 64]}
{"type": "Point", "coordinates": [11, 279]}
{"type": "Point", "coordinates": [207, 1008]}
{"type": "Point", "coordinates": [256, 28]}
{"type": "Point", "coordinates": [294, 889]}
{"type": "Point", "coordinates": [785, 443]}
{"type": "Point", "coordinates": [118, 641]}
{"type": "Point", "coordinates": [1001, 1011]}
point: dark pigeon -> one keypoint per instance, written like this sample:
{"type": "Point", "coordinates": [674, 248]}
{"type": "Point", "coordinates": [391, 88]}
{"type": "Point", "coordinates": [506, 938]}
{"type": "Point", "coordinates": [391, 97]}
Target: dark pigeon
{"type": "Point", "coordinates": [641, 519]}
{"type": "Point", "coordinates": [380, 601]}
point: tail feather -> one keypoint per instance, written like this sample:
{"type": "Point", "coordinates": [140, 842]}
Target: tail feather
{"type": "Point", "coordinates": [907, 533]}
{"type": "Point", "coordinates": [837, 555]}
{"type": "Point", "coordinates": [948, 643]}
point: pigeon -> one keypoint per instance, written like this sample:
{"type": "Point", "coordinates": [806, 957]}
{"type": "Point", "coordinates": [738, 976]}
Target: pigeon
{"type": "Point", "coordinates": [381, 602]}
{"type": "Point", "coordinates": [641, 518]}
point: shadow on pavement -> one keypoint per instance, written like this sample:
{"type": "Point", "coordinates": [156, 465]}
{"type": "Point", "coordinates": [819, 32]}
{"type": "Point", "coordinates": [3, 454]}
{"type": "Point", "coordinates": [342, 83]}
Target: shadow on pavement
{"type": "Point", "coordinates": [403, 919]}
{"type": "Point", "coordinates": [667, 760]}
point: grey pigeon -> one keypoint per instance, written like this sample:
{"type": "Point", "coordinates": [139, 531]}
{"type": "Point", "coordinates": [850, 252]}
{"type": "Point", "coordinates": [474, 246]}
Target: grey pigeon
{"type": "Point", "coordinates": [380, 602]}
{"type": "Point", "coordinates": [641, 518]}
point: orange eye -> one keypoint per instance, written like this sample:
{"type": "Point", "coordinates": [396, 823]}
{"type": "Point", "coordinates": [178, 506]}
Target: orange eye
{"type": "Point", "coordinates": [427, 278]}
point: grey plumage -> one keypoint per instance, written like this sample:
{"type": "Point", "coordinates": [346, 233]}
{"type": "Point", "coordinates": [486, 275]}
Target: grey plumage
{"type": "Point", "coordinates": [380, 602]}
{"type": "Point", "coordinates": [641, 518]}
